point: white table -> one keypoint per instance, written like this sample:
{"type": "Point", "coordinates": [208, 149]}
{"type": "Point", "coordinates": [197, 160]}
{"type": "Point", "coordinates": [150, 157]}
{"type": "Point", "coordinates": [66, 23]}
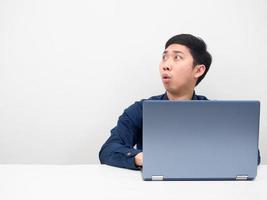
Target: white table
{"type": "Point", "coordinates": [104, 182]}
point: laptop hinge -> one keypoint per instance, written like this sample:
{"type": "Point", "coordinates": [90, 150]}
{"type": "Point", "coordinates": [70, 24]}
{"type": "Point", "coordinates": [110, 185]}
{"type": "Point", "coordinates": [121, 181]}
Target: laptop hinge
{"type": "Point", "coordinates": [157, 178]}
{"type": "Point", "coordinates": [242, 177]}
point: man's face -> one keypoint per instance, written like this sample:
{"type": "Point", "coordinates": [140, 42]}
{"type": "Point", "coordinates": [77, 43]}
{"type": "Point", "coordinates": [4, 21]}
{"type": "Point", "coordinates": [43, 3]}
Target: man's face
{"type": "Point", "coordinates": [177, 70]}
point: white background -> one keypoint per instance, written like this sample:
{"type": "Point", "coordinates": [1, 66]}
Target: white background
{"type": "Point", "coordinates": [68, 69]}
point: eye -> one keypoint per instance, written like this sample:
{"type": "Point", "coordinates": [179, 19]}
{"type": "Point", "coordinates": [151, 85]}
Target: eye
{"type": "Point", "coordinates": [164, 57]}
{"type": "Point", "coordinates": [177, 57]}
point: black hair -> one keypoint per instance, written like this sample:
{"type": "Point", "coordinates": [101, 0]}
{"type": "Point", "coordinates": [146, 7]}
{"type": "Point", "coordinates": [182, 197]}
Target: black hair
{"type": "Point", "coordinates": [198, 50]}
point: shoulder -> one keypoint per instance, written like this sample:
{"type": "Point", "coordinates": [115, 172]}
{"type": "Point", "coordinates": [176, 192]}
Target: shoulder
{"type": "Point", "coordinates": [137, 105]}
{"type": "Point", "coordinates": [134, 111]}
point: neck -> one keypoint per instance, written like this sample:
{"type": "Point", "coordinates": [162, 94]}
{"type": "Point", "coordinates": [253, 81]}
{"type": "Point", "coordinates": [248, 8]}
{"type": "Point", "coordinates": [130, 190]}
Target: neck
{"type": "Point", "coordinates": [180, 96]}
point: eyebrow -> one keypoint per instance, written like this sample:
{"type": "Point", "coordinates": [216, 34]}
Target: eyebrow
{"type": "Point", "coordinates": [175, 51]}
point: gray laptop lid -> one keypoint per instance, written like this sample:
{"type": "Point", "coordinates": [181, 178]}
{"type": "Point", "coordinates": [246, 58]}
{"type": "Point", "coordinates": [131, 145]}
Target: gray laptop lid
{"type": "Point", "coordinates": [200, 139]}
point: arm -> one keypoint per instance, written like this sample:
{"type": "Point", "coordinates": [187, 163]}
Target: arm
{"type": "Point", "coordinates": [119, 149]}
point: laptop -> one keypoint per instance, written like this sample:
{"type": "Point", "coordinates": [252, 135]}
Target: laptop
{"type": "Point", "coordinates": [200, 140]}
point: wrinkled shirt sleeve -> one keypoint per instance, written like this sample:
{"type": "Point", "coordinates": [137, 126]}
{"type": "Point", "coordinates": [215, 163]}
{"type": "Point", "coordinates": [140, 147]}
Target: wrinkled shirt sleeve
{"type": "Point", "coordinates": [119, 149]}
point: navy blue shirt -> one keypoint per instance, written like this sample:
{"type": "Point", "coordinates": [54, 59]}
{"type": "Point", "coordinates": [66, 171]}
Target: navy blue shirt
{"type": "Point", "coordinates": [126, 138]}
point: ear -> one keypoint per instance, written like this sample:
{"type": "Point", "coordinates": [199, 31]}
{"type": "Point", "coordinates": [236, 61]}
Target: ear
{"type": "Point", "coordinates": [199, 71]}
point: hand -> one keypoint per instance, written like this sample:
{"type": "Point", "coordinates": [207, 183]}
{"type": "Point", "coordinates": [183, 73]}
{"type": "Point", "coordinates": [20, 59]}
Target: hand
{"type": "Point", "coordinates": [138, 159]}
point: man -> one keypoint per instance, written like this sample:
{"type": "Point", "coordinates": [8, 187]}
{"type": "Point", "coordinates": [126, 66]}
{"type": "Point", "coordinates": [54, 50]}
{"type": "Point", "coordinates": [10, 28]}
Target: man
{"type": "Point", "coordinates": [185, 62]}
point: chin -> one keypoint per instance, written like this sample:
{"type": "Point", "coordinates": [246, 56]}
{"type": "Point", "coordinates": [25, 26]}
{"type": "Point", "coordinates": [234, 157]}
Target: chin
{"type": "Point", "coordinates": [171, 90]}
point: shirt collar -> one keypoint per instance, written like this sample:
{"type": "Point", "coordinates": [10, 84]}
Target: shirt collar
{"type": "Point", "coordinates": [165, 96]}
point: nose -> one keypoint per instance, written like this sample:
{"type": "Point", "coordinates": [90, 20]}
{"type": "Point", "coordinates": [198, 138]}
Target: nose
{"type": "Point", "coordinates": [166, 67]}
{"type": "Point", "coordinates": [167, 64]}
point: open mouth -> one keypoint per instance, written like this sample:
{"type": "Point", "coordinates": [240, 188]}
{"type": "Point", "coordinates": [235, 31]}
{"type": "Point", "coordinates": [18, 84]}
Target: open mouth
{"type": "Point", "coordinates": [166, 77]}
